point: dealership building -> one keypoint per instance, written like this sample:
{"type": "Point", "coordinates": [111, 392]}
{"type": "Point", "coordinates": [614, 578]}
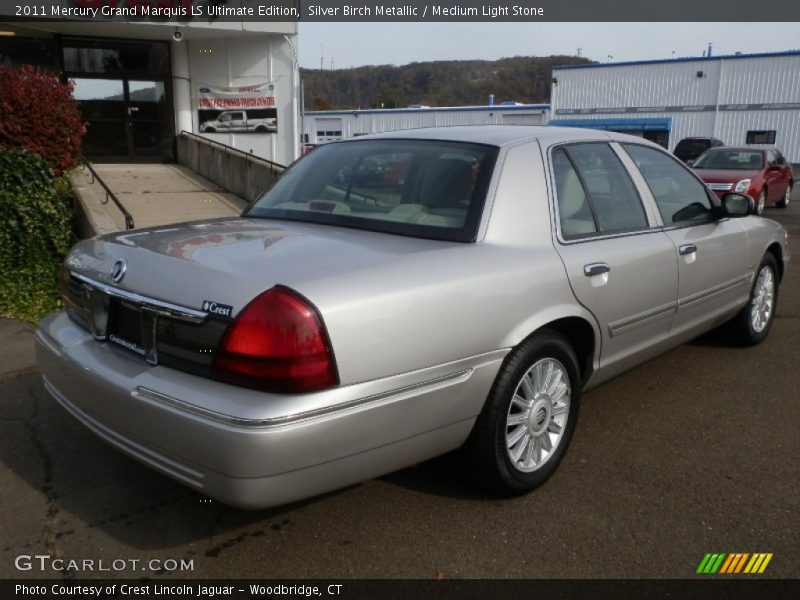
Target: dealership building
{"type": "Point", "coordinates": [142, 82]}
{"type": "Point", "coordinates": [328, 126]}
{"type": "Point", "coordinates": [740, 99]}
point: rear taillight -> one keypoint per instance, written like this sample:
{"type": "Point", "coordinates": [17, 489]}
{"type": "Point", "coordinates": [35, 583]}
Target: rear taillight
{"type": "Point", "coordinates": [277, 343]}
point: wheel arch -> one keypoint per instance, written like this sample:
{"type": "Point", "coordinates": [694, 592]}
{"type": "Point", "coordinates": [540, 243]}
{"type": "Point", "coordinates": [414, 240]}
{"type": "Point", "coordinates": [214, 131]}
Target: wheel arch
{"type": "Point", "coordinates": [775, 249]}
{"type": "Point", "coordinates": [580, 330]}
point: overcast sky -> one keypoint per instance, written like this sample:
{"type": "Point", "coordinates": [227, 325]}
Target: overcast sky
{"type": "Point", "coordinates": [357, 44]}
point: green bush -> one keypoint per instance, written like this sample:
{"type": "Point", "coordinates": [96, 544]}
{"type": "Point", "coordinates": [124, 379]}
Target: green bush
{"type": "Point", "coordinates": [35, 234]}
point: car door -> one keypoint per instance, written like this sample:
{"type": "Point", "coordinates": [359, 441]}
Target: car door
{"type": "Point", "coordinates": [713, 275]}
{"type": "Point", "coordinates": [777, 175]}
{"type": "Point", "coordinates": [238, 122]}
{"type": "Point", "coordinates": [620, 267]}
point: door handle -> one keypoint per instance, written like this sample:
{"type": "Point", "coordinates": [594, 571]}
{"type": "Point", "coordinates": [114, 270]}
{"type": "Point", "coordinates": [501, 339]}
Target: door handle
{"type": "Point", "coordinates": [687, 249]}
{"type": "Point", "coordinates": [593, 269]}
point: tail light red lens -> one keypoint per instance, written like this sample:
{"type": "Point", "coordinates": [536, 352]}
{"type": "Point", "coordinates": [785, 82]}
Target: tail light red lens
{"type": "Point", "coordinates": [277, 343]}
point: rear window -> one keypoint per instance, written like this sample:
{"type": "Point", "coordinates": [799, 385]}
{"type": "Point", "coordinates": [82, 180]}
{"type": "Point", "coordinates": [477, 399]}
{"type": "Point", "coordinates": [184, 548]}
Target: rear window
{"type": "Point", "coordinates": [735, 160]}
{"type": "Point", "coordinates": [417, 188]}
{"type": "Point", "coordinates": [689, 149]}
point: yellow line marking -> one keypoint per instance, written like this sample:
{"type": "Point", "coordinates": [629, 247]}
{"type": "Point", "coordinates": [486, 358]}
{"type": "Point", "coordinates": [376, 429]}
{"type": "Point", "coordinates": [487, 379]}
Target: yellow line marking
{"type": "Point", "coordinates": [753, 561]}
{"type": "Point", "coordinates": [765, 563]}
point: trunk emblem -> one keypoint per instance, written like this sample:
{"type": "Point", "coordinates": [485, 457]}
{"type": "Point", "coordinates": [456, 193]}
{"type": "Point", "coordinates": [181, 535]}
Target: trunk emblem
{"type": "Point", "coordinates": [118, 271]}
{"type": "Point", "coordinates": [215, 308]}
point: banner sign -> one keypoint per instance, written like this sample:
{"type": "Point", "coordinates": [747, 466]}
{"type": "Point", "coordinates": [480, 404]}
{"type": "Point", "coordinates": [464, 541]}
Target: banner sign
{"type": "Point", "coordinates": [245, 109]}
{"type": "Point", "coordinates": [238, 11]}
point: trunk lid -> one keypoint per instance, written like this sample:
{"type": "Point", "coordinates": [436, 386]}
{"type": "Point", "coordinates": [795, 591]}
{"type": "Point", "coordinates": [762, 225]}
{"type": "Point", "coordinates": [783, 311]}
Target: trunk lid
{"type": "Point", "coordinates": [230, 261]}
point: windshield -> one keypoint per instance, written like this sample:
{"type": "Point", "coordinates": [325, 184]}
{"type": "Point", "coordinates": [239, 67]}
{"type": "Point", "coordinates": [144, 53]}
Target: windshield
{"type": "Point", "coordinates": [735, 160]}
{"type": "Point", "coordinates": [418, 188]}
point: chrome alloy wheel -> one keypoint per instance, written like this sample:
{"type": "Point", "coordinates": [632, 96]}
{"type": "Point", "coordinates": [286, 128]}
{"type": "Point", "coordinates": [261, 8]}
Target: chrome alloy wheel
{"type": "Point", "coordinates": [761, 203]}
{"type": "Point", "coordinates": [788, 195]}
{"type": "Point", "coordinates": [537, 415]}
{"type": "Point", "coordinates": [763, 300]}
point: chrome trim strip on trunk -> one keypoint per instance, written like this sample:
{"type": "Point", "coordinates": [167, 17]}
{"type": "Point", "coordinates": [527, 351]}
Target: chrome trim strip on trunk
{"type": "Point", "coordinates": [630, 323]}
{"type": "Point", "coordinates": [422, 387]}
{"type": "Point", "coordinates": [161, 307]}
{"type": "Point", "coordinates": [709, 293]}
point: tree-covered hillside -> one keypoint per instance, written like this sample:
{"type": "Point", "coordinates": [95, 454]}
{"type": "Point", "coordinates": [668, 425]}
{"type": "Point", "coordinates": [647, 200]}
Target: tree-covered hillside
{"type": "Point", "coordinates": [439, 83]}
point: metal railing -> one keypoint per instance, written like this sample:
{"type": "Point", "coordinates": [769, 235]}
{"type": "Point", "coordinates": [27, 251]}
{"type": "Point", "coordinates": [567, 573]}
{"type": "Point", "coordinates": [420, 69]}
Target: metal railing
{"type": "Point", "coordinates": [275, 167]}
{"type": "Point", "coordinates": [109, 194]}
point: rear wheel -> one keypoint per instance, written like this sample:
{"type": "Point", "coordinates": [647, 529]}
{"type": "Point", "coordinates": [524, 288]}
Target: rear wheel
{"type": "Point", "coordinates": [754, 321]}
{"type": "Point", "coordinates": [784, 202]}
{"type": "Point", "coordinates": [528, 419]}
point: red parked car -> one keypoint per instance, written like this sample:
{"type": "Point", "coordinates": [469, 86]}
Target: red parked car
{"type": "Point", "coordinates": [760, 172]}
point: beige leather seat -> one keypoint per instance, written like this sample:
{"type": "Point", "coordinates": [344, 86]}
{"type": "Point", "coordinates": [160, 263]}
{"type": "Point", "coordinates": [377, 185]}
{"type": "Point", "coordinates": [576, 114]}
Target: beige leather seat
{"type": "Point", "coordinates": [573, 206]}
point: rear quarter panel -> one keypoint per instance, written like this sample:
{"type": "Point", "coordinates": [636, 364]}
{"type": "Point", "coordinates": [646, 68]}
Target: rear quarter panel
{"type": "Point", "coordinates": [459, 300]}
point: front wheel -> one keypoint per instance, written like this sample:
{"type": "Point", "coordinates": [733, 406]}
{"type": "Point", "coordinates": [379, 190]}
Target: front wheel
{"type": "Point", "coordinates": [527, 422]}
{"type": "Point", "coordinates": [754, 321]}
{"type": "Point", "coordinates": [784, 202]}
{"type": "Point", "coordinates": [762, 201]}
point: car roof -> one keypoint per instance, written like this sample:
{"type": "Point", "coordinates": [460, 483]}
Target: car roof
{"type": "Point", "coordinates": [504, 135]}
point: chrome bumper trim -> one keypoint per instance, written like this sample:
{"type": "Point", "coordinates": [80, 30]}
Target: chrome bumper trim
{"type": "Point", "coordinates": [393, 395]}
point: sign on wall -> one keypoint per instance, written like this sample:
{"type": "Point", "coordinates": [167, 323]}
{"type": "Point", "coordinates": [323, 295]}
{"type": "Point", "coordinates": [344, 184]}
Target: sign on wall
{"type": "Point", "coordinates": [246, 109]}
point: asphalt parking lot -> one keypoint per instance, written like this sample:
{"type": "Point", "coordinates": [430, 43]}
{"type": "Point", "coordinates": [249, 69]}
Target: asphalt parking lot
{"type": "Point", "coordinates": [695, 452]}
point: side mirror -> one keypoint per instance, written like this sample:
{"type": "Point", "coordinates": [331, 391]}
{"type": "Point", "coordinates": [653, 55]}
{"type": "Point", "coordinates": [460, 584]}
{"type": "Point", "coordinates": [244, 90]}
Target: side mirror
{"type": "Point", "coordinates": [737, 205]}
{"type": "Point", "coordinates": [774, 168]}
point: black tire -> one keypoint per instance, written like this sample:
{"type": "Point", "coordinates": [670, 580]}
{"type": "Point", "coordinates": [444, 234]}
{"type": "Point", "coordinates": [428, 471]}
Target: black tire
{"type": "Point", "coordinates": [209, 130]}
{"type": "Point", "coordinates": [743, 330]}
{"type": "Point", "coordinates": [787, 196]}
{"type": "Point", "coordinates": [485, 455]}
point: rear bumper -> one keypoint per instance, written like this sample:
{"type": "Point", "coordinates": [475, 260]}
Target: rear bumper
{"type": "Point", "coordinates": [253, 449]}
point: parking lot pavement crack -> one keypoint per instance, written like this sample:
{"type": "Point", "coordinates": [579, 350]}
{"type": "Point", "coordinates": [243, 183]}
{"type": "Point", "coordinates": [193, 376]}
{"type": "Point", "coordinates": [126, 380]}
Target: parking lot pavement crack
{"type": "Point", "coordinates": [215, 551]}
{"type": "Point", "coordinates": [19, 374]}
{"type": "Point", "coordinates": [47, 486]}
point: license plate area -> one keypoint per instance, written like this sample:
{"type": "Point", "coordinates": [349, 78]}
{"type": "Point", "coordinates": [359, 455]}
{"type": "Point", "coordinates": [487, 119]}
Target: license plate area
{"type": "Point", "coordinates": [131, 328]}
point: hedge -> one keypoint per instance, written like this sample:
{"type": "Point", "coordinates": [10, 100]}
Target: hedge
{"type": "Point", "coordinates": [35, 234]}
{"type": "Point", "coordinates": [39, 114]}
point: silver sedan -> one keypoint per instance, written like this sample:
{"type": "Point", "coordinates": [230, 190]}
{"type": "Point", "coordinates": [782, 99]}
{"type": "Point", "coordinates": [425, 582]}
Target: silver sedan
{"type": "Point", "coordinates": [399, 296]}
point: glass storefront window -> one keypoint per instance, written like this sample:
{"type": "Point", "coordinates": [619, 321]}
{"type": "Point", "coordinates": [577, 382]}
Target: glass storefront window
{"type": "Point", "coordinates": [98, 56]}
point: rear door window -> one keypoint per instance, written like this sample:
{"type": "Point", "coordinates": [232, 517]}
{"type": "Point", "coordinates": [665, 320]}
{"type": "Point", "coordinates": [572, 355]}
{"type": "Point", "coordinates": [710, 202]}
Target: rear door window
{"type": "Point", "coordinates": [595, 193]}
